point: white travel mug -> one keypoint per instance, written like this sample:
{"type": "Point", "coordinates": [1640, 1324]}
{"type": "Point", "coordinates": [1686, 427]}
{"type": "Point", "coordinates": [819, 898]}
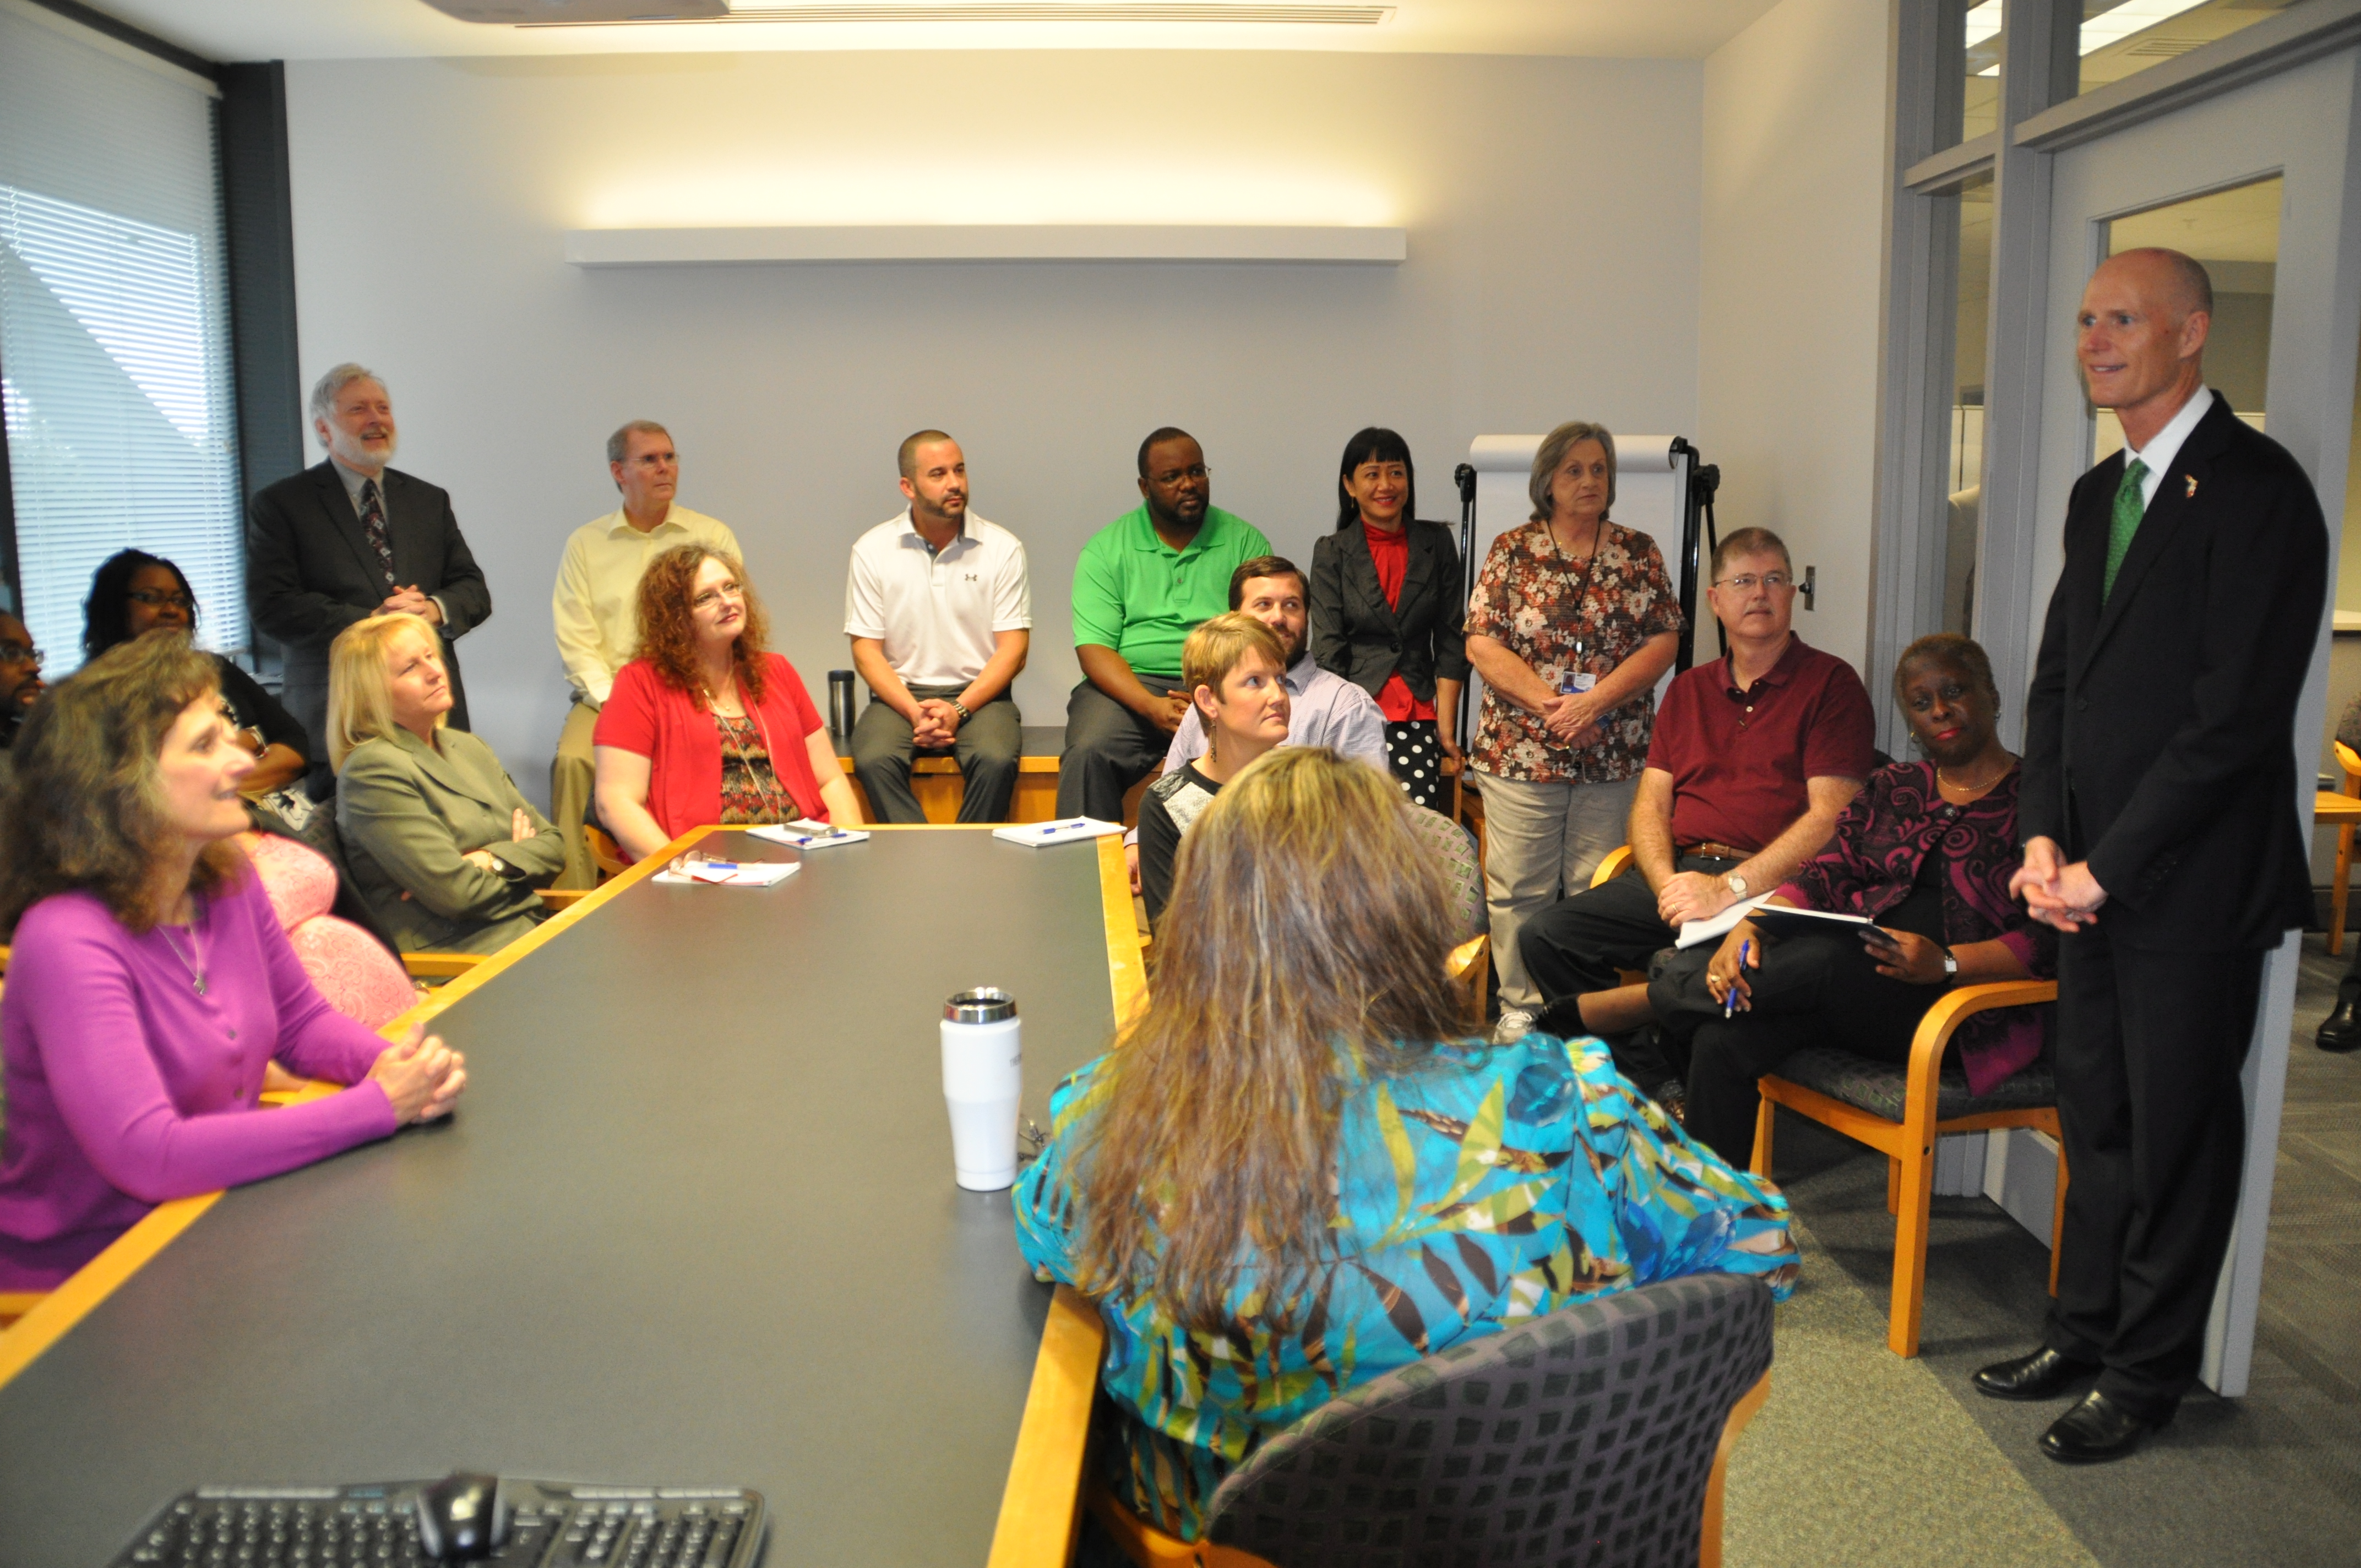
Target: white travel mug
{"type": "Point", "coordinates": [984, 1080]}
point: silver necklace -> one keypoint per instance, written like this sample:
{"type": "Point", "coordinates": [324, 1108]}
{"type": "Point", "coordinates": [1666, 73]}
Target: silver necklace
{"type": "Point", "coordinates": [196, 968]}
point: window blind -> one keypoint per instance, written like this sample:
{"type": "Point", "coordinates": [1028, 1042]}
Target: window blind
{"type": "Point", "coordinates": [114, 342]}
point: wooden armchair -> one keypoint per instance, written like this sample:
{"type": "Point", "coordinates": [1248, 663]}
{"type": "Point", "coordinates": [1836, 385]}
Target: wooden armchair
{"type": "Point", "coordinates": [1901, 1112]}
{"type": "Point", "coordinates": [2349, 762]}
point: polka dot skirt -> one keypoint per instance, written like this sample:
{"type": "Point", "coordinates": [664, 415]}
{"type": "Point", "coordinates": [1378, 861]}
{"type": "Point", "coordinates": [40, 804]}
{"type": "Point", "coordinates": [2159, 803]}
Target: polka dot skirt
{"type": "Point", "coordinates": [1415, 752]}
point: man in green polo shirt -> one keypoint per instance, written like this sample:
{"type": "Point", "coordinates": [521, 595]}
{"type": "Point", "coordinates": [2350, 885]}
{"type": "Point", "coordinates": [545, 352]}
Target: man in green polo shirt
{"type": "Point", "coordinates": [1142, 585]}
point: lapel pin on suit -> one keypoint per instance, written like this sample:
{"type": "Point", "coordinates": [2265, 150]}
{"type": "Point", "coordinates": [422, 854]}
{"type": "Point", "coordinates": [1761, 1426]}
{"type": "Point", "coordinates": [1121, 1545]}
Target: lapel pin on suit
{"type": "Point", "coordinates": [2192, 485]}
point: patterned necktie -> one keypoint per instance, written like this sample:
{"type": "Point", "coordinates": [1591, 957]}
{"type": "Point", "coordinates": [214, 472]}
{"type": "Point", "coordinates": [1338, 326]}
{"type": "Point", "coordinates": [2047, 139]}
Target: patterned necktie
{"type": "Point", "coordinates": [373, 524]}
{"type": "Point", "coordinates": [2124, 525]}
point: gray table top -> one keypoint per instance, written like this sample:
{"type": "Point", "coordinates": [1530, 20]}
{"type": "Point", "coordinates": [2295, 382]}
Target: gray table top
{"type": "Point", "coordinates": [693, 1223]}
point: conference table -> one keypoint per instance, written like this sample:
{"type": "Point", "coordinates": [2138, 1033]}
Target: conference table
{"type": "Point", "coordinates": [693, 1223]}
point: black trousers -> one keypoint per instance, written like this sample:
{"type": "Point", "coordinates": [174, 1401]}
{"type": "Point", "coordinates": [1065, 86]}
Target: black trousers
{"type": "Point", "coordinates": [2149, 1049]}
{"type": "Point", "coordinates": [1108, 749]}
{"type": "Point", "coordinates": [987, 748]}
{"type": "Point", "coordinates": [1579, 944]}
{"type": "Point", "coordinates": [1811, 990]}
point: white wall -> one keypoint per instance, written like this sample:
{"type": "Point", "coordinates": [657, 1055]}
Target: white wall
{"type": "Point", "coordinates": [1795, 138]}
{"type": "Point", "coordinates": [1552, 208]}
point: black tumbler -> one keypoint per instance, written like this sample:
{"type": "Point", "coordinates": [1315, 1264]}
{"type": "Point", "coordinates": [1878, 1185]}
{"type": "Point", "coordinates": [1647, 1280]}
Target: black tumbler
{"type": "Point", "coordinates": [839, 704]}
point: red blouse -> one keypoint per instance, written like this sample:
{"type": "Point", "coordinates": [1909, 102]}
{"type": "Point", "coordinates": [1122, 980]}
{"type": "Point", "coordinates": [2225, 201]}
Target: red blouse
{"type": "Point", "coordinates": [673, 730]}
{"type": "Point", "coordinates": [1391, 554]}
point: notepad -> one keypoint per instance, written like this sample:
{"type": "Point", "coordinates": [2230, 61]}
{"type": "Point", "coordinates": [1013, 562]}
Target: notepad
{"type": "Point", "coordinates": [806, 834]}
{"type": "Point", "coordinates": [1036, 834]}
{"type": "Point", "coordinates": [732, 874]}
{"type": "Point", "coordinates": [1804, 922]}
{"type": "Point", "coordinates": [1723, 925]}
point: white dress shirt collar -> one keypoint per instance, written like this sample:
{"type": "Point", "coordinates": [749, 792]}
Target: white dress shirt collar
{"type": "Point", "coordinates": [2165, 444]}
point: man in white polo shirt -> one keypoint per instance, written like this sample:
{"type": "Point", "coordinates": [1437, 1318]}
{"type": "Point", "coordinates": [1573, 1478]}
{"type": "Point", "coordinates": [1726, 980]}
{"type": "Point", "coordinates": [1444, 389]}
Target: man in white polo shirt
{"type": "Point", "coordinates": [596, 608]}
{"type": "Point", "coordinates": [940, 615]}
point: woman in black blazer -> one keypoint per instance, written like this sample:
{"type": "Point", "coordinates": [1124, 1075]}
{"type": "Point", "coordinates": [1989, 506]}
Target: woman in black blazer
{"type": "Point", "coordinates": [1387, 604]}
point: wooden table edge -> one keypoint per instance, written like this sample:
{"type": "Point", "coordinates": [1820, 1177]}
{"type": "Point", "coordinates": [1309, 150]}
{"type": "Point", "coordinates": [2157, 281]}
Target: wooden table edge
{"type": "Point", "coordinates": [1040, 1508]}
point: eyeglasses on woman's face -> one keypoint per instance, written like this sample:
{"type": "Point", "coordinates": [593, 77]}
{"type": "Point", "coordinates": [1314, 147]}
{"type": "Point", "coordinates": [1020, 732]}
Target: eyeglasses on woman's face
{"type": "Point", "coordinates": [156, 601]}
{"type": "Point", "coordinates": [706, 598]}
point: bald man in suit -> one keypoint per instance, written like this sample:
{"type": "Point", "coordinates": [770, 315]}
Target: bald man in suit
{"type": "Point", "coordinates": [2159, 810]}
{"type": "Point", "coordinates": [355, 538]}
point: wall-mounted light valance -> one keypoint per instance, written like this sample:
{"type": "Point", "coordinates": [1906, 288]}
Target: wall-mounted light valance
{"type": "Point", "coordinates": [804, 243]}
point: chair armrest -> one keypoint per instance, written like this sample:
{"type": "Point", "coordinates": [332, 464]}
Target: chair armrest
{"type": "Point", "coordinates": [556, 898]}
{"type": "Point", "coordinates": [1935, 1031]}
{"type": "Point", "coordinates": [2349, 760]}
{"type": "Point", "coordinates": [439, 966]}
{"type": "Point", "coordinates": [1464, 957]}
{"type": "Point", "coordinates": [1618, 862]}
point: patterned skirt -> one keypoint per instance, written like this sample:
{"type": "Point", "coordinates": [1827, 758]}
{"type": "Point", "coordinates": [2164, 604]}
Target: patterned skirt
{"type": "Point", "coordinates": [1414, 749]}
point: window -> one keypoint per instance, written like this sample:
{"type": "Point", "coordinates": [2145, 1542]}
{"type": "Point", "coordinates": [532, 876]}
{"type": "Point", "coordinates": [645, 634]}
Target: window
{"type": "Point", "coordinates": [114, 342]}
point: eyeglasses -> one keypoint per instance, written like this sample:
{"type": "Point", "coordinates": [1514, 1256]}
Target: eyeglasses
{"type": "Point", "coordinates": [652, 460]}
{"type": "Point", "coordinates": [19, 653]}
{"type": "Point", "coordinates": [1174, 475]}
{"type": "Point", "coordinates": [155, 601]}
{"type": "Point", "coordinates": [711, 597]}
{"type": "Point", "coordinates": [1746, 582]}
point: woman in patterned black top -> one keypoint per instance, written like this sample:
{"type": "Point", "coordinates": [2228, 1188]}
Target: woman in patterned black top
{"type": "Point", "coordinates": [1924, 850]}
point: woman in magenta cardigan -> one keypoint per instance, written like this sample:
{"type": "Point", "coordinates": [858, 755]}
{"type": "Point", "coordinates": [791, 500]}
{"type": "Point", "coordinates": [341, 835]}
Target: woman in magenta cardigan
{"type": "Point", "coordinates": [703, 726]}
{"type": "Point", "coordinates": [150, 982]}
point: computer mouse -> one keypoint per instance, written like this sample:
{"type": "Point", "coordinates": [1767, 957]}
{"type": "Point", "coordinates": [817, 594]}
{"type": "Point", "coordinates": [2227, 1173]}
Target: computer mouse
{"type": "Point", "coordinates": [462, 1517]}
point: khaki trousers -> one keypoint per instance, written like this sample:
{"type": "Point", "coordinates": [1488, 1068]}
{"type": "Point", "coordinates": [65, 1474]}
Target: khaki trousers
{"type": "Point", "coordinates": [572, 777]}
{"type": "Point", "coordinates": [1542, 841]}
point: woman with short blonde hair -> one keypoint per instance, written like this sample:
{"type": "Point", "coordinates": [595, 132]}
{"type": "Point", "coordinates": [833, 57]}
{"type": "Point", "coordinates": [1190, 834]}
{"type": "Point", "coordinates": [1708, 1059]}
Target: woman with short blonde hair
{"type": "Point", "coordinates": [1234, 669]}
{"type": "Point", "coordinates": [140, 932]}
{"type": "Point", "coordinates": [1303, 1167]}
{"type": "Point", "coordinates": [443, 848]}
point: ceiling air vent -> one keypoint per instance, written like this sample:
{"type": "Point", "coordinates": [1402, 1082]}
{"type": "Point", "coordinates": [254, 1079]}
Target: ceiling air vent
{"type": "Point", "coordinates": [2164, 48]}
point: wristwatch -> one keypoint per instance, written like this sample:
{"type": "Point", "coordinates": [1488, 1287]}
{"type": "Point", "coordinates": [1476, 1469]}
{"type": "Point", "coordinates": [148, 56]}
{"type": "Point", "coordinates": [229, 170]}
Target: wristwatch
{"type": "Point", "coordinates": [961, 709]}
{"type": "Point", "coordinates": [1736, 883]}
{"type": "Point", "coordinates": [1951, 965]}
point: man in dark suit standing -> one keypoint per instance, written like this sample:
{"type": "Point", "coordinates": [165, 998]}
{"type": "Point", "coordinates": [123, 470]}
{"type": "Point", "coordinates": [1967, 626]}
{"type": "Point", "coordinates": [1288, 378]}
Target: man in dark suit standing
{"type": "Point", "coordinates": [2159, 809]}
{"type": "Point", "coordinates": [353, 538]}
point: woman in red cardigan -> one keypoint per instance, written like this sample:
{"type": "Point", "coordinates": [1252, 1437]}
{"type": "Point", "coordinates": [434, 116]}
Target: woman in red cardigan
{"type": "Point", "coordinates": [703, 726]}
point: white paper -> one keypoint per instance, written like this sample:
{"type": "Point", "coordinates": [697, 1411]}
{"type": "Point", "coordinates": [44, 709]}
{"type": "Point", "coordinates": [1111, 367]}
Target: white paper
{"type": "Point", "coordinates": [1723, 925]}
{"type": "Point", "coordinates": [806, 834]}
{"type": "Point", "coordinates": [742, 873]}
{"type": "Point", "coordinates": [1036, 834]}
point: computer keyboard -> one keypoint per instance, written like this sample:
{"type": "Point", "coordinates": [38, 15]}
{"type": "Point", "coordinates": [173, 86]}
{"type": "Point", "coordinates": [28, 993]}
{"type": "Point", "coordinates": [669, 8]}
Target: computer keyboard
{"type": "Point", "coordinates": [552, 1524]}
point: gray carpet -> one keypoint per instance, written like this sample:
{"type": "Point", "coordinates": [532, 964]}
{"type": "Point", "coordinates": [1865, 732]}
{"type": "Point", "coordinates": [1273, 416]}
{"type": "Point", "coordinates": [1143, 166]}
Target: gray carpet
{"type": "Point", "coordinates": [1862, 1457]}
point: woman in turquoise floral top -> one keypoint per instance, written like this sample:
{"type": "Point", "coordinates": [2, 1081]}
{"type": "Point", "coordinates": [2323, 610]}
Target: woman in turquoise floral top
{"type": "Point", "coordinates": [1300, 1171]}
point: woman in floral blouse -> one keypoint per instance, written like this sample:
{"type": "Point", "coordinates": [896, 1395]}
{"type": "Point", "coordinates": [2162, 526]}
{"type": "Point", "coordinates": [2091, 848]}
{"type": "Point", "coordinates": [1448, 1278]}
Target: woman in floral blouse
{"type": "Point", "coordinates": [1926, 851]}
{"type": "Point", "coordinates": [1572, 624]}
{"type": "Point", "coordinates": [1302, 1079]}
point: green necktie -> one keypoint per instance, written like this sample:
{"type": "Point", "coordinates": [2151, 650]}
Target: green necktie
{"type": "Point", "coordinates": [2125, 523]}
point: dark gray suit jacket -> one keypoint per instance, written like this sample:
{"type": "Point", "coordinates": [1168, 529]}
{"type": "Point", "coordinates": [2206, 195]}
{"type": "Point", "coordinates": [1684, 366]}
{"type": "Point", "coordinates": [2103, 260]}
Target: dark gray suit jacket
{"type": "Point", "coordinates": [310, 573]}
{"type": "Point", "coordinates": [2158, 735]}
{"type": "Point", "coordinates": [1356, 634]}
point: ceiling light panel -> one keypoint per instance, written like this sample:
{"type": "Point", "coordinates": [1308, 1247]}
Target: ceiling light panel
{"type": "Point", "coordinates": [1222, 13]}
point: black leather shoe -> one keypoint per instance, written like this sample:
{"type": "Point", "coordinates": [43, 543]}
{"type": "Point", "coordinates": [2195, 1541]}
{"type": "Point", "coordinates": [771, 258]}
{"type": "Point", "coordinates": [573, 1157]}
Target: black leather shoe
{"type": "Point", "coordinates": [2341, 1030]}
{"type": "Point", "coordinates": [2095, 1432]}
{"type": "Point", "coordinates": [2044, 1375]}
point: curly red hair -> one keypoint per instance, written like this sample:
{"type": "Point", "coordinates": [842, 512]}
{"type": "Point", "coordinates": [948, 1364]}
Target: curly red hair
{"type": "Point", "coordinates": [668, 633]}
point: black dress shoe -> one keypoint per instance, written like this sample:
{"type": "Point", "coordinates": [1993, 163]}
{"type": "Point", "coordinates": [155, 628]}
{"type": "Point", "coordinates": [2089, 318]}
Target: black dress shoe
{"type": "Point", "coordinates": [2044, 1375]}
{"type": "Point", "coordinates": [2341, 1030]}
{"type": "Point", "coordinates": [2095, 1432]}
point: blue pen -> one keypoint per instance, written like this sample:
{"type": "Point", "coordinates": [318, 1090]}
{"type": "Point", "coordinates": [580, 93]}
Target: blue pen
{"type": "Point", "coordinates": [1730, 997]}
{"type": "Point", "coordinates": [1062, 827]}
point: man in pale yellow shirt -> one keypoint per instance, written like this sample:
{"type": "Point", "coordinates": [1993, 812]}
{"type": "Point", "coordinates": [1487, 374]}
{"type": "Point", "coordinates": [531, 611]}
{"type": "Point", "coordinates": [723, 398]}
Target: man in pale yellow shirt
{"type": "Point", "coordinates": [597, 609]}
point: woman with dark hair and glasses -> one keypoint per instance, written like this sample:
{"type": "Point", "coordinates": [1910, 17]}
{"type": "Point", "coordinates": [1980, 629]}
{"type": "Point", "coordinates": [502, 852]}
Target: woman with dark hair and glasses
{"type": "Point", "coordinates": [1386, 608]}
{"type": "Point", "coordinates": [135, 593]}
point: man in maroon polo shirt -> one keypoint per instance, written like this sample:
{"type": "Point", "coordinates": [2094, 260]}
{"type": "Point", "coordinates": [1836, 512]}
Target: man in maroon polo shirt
{"type": "Point", "coordinates": [1754, 757]}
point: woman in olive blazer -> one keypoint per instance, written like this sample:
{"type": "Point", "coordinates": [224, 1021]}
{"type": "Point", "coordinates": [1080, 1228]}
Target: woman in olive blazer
{"type": "Point", "coordinates": [1388, 601]}
{"type": "Point", "coordinates": [445, 853]}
